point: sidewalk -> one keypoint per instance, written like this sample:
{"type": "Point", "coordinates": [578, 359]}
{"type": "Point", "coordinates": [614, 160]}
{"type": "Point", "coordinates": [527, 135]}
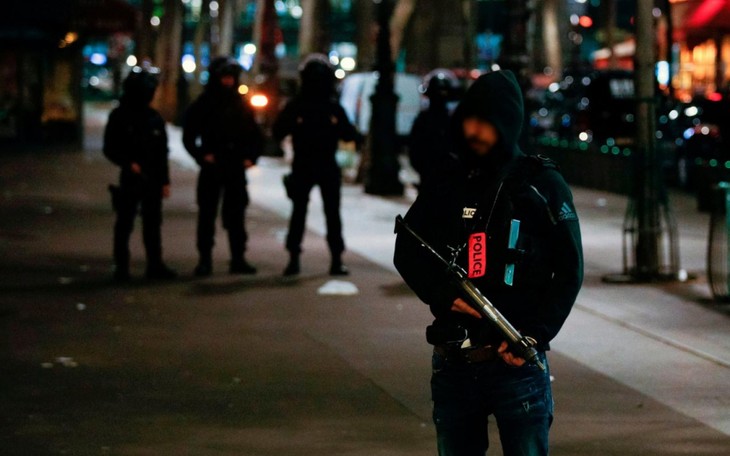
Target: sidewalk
{"type": "Point", "coordinates": [267, 366]}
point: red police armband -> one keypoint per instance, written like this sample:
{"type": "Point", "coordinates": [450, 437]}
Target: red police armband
{"type": "Point", "coordinates": [477, 255]}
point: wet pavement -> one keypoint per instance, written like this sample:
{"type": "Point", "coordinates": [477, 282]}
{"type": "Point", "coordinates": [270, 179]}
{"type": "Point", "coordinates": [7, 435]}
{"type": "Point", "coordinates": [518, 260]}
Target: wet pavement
{"type": "Point", "coordinates": [263, 365]}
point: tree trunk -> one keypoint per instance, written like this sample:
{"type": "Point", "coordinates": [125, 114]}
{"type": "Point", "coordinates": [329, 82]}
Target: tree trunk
{"type": "Point", "coordinates": [551, 37]}
{"type": "Point", "coordinates": [313, 36]}
{"type": "Point", "coordinates": [144, 38]}
{"type": "Point", "coordinates": [226, 20]}
{"type": "Point", "coordinates": [401, 17]}
{"type": "Point", "coordinates": [609, 12]}
{"type": "Point", "coordinates": [365, 34]}
{"type": "Point", "coordinates": [168, 59]}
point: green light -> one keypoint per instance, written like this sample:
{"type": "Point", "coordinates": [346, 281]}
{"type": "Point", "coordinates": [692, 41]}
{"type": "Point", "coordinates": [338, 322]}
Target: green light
{"type": "Point", "coordinates": [713, 163]}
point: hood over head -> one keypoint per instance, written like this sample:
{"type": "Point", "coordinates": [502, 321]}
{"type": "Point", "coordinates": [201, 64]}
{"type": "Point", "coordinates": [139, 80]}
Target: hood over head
{"type": "Point", "coordinates": [497, 98]}
{"type": "Point", "coordinates": [139, 87]}
{"type": "Point", "coordinates": [317, 76]}
{"type": "Point", "coordinates": [223, 66]}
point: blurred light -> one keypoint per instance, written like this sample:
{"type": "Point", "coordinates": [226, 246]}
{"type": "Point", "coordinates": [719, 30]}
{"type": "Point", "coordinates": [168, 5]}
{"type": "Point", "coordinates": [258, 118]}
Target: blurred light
{"type": "Point", "coordinates": [259, 101]}
{"type": "Point", "coordinates": [340, 73]}
{"type": "Point", "coordinates": [94, 81]}
{"type": "Point", "coordinates": [574, 19]}
{"type": "Point", "coordinates": [213, 6]}
{"type": "Point", "coordinates": [688, 133]}
{"type": "Point", "coordinates": [296, 12]}
{"type": "Point", "coordinates": [673, 114]}
{"type": "Point", "coordinates": [97, 58]}
{"type": "Point", "coordinates": [246, 61]}
{"type": "Point", "coordinates": [585, 21]}
{"type": "Point", "coordinates": [691, 111]}
{"type": "Point", "coordinates": [705, 130]}
{"type": "Point", "coordinates": [280, 6]}
{"type": "Point", "coordinates": [249, 48]}
{"type": "Point", "coordinates": [662, 72]}
{"type": "Point", "coordinates": [715, 96]}
{"type": "Point", "coordinates": [188, 63]}
{"type": "Point", "coordinates": [243, 89]}
{"type": "Point", "coordinates": [154, 21]}
{"type": "Point", "coordinates": [131, 60]}
{"type": "Point", "coordinates": [280, 50]}
{"type": "Point", "coordinates": [656, 12]}
{"type": "Point", "coordinates": [347, 63]}
{"type": "Point", "coordinates": [543, 112]}
{"type": "Point", "coordinates": [495, 67]}
{"type": "Point", "coordinates": [583, 136]}
{"type": "Point", "coordinates": [554, 87]}
{"type": "Point", "coordinates": [334, 58]}
{"type": "Point", "coordinates": [71, 37]}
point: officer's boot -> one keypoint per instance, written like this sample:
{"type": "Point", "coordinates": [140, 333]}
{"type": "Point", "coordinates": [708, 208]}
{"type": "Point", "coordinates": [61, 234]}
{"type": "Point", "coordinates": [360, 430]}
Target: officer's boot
{"type": "Point", "coordinates": [157, 270]}
{"type": "Point", "coordinates": [241, 266]}
{"type": "Point", "coordinates": [121, 272]}
{"type": "Point", "coordinates": [205, 265]}
{"type": "Point", "coordinates": [292, 268]}
{"type": "Point", "coordinates": [121, 264]}
{"type": "Point", "coordinates": [337, 268]}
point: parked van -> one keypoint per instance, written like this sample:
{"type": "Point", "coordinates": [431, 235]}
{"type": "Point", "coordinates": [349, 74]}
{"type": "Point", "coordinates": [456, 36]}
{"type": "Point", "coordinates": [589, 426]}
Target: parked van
{"type": "Point", "coordinates": [357, 88]}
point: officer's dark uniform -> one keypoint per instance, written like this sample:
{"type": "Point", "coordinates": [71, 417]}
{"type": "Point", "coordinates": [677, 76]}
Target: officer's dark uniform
{"type": "Point", "coordinates": [135, 134]}
{"type": "Point", "coordinates": [316, 123]}
{"type": "Point", "coordinates": [221, 124]}
{"type": "Point", "coordinates": [429, 143]}
{"type": "Point", "coordinates": [479, 196]}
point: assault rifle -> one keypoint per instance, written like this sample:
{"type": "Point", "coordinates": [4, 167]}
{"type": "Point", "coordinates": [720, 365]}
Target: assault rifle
{"type": "Point", "coordinates": [522, 346]}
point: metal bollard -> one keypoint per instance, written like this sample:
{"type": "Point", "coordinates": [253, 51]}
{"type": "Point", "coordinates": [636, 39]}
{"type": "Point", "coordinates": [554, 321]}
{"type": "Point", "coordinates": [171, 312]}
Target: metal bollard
{"type": "Point", "coordinates": [718, 268]}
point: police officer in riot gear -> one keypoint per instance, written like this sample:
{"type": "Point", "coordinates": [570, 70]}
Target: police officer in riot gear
{"type": "Point", "coordinates": [316, 123]}
{"type": "Point", "coordinates": [428, 142]}
{"type": "Point", "coordinates": [221, 134]}
{"type": "Point", "coordinates": [509, 221]}
{"type": "Point", "coordinates": [136, 141]}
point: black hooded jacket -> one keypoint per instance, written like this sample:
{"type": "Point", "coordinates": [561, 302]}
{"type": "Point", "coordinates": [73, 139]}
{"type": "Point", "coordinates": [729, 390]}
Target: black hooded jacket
{"type": "Point", "coordinates": [135, 133]}
{"type": "Point", "coordinates": [219, 122]}
{"type": "Point", "coordinates": [482, 195]}
{"type": "Point", "coordinates": [315, 121]}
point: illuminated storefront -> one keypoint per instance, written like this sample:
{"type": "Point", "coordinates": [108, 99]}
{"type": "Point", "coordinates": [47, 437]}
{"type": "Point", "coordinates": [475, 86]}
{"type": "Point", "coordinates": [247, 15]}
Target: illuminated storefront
{"type": "Point", "coordinates": [702, 35]}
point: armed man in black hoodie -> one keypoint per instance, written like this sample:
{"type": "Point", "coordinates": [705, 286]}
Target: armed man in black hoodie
{"type": "Point", "coordinates": [221, 134]}
{"type": "Point", "coordinates": [509, 221]}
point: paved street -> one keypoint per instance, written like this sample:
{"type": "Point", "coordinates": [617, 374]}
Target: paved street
{"type": "Point", "coordinates": [263, 365]}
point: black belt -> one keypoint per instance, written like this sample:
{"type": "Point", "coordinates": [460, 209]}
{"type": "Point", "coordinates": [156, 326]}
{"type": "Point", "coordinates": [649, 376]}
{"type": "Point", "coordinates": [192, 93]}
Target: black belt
{"type": "Point", "coordinates": [471, 355]}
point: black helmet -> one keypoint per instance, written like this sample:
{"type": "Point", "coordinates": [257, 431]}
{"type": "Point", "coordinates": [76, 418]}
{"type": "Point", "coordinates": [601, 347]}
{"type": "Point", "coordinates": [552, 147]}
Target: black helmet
{"type": "Point", "coordinates": [441, 83]}
{"type": "Point", "coordinates": [317, 75]}
{"type": "Point", "coordinates": [223, 66]}
{"type": "Point", "coordinates": [139, 86]}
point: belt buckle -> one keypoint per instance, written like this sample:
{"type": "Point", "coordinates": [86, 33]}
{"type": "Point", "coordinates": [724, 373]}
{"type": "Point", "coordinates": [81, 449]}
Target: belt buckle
{"type": "Point", "coordinates": [479, 354]}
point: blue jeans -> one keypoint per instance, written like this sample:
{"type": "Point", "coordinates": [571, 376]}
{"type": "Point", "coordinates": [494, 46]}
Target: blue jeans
{"type": "Point", "coordinates": [464, 395]}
